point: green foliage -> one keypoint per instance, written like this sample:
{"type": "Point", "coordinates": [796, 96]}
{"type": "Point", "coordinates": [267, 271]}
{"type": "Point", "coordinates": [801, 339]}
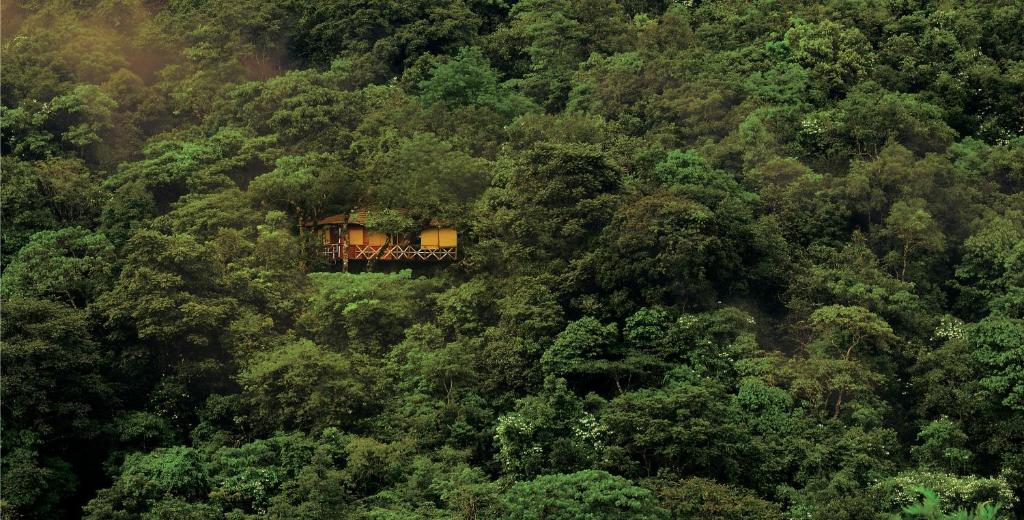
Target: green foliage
{"type": "Point", "coordinates": [46, 195]}
{"type": "Point", "coordinates": [689, 427]}
{"type": "Point", "coordinates": [364, 312]}
{"type": "Point", "coordinates": [950, 492]}
{"type": "Point", "coordinates": [703, 498]}
{"type": "Point", "coordinates": [71, 265]}
{"type": "Point", "coordinates": [578, 346]}
{"type": "Point", "coordinates": [999, 342]}
{"type": "Point", "coordinates": [550, 197]}
{"type": "Point", "coordinates": [56, 396]}
{"type": "Point", "coordinates": [586, 494]}
{"type": "Point", "coordinates": [943, 446]}
{"type": "Point", "coordinates": [547, 433]}
{"type": "Point", "coordinates": [834, 56]}
{"type": "Point", "coordinates": [983, 273]}
{"type": "Point", "coordinates": [53, 376]}
{"type": "Point", "coordinates": [171, 291]}
{"type": "Point", "coordinates": [426, 176]}
{"type": "Point", "coordinates": [930, 507]}
{"type": "Point", "coordinates": [307, 185]}
{"type": "Point", "coordinates": [380, 38]}
{"type": "Point", "coordinates": [765, 258]}
{"type": "Point", "coordinates": [390, 221]}
{"type": "Point", "coordinates": [299, 385]}
{"type": "Point", "coordinates": [469, 80]}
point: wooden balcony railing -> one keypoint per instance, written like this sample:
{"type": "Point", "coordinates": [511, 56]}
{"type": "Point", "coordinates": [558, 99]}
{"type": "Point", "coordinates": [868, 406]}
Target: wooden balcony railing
{"type": "Point", "coordinates": [333, 252]}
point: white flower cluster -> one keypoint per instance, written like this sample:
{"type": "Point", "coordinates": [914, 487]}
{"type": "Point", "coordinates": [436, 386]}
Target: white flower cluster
{"type": "Point", "coordinates": [590, 431]}
{"type": "Point", "coordinates": [949, 328]}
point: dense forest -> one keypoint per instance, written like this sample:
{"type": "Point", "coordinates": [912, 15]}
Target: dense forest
{"type": "Point", "coordinates": [717, 259]}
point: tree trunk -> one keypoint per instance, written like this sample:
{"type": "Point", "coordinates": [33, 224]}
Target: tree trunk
{"type": "Point", "coordinates": [842, 391]}
{"type": "Point", "coordinates": [906, 253]}
{"type": "Point", "coordinates": [344, 245]}
{"type": "Point", "coordinates": [302, 243]}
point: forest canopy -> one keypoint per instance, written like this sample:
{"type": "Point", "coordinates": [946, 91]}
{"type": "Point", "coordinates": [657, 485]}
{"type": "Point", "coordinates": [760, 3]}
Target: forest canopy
{"type": "Point", "coordinates": [716, 259]}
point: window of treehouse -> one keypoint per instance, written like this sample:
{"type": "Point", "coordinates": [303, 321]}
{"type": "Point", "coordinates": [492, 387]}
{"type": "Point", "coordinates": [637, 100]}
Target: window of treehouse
{"type": "Point", "coordinates": [436, 238]}
{"type": "Point", "coordinates": [332, 234]}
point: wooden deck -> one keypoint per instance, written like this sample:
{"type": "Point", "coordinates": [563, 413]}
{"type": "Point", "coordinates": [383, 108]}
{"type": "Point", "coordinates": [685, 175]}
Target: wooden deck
{"type": "Point", "coordinates": [390, 252]}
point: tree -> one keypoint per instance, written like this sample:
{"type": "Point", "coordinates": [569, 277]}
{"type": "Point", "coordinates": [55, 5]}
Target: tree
{"type": "Point", "coordinates": [586, 494]}
{"type": "Point", "coordinates": [549, 432]}
{"type": "Point", "coordinates": [71, 265]}
{"type": "Point", "coordinates": [46, 194]}
{"type": "Point", "coordinates": [171, 293]}
{"type": "Point", "coordinates": [943, 446]}
{"type": "Point", "coordinates": [998, 342]}
{"type": "Point", "coordinates": [425, 175]}
{"type": "Point", "coordinates": [851, 276]}
{"type": "Point", "coordinates": [836, 56]}
{"type": "Point", "coordinates": [309, 186]}
{"type": "Point", "coordinates": [550, 198]}
{"type": "Point", "coordinates": [581, 346]}
{"type": "Point", "coordinates": [849, 352]}
{"type": "Point", "coordinates": [380, 38]}
{"type": "Point", "coordinates": [766, 259]}
{"type": "Point", "coordinates": [688, 427]}
{"type": "Point", "coordinates": [930, 507]}
{"type": "Point", "coordinates": [57, 401]}
{"type": "Point", "coordinates": [364, 312]}
{"type": "Point", "coordinates": [469, 80]}
{"type": "Point", "coordinates": [191, 164]}
{"type": "Point", "coordinates": [299, 385]}
{"type": "Point", "coordinates": [666, 245]}
{"type": "Point", "coordinates": [696, 497]}
{"type": "Point", "coordinates": [982, 274]}
{"type": "Point", "coordinates": [910, 224]}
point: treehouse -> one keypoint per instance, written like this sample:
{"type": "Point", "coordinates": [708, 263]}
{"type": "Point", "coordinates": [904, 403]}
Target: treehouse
{"type": "Point", "coordinates": [348, 237]}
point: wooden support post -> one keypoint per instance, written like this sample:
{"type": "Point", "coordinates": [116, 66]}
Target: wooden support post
{"type": "Point", "coordinates": [302, 242]}
{"type": "Point", "coordinates": [344, 245]}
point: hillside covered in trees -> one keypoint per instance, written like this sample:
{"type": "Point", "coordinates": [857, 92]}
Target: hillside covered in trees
{"type": "Point", "coordinates": [717, 259]}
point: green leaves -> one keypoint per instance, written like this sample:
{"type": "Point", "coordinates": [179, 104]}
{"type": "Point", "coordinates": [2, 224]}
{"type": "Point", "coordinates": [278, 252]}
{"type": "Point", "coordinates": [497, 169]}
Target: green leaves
{"type": "Point", "coordinates": [301, 386]}
{"type": "Point", "coordinates": [364, 312]}
{"type": "Point", "coordinates": [931, 507]}
{"type": "Point", "coordinates": [741, 252]}
{"type": "Point", "coordinates": [547, 433]}
{"type": "Point", "coordinates": [54, 374]}
{"type": "Point", "coordinates": [424, 174]}
{"type": "Point", "coordinates": [71, 265]}
{"type": "Point", "coordinates": [469, 80]}
{"type": "Point", "coordinates": [696, 497]}
{"type": "Point", "coordinates": [836, 56]}
{"type": "Point", "coordinates": [943, 446]}
{"type": "Point", "coordinates": [841, 330]}
{"type": "Point", "coordinates": [593, 495]}
{"type": "Point", "coordinates": [998, 343]}
{"type": "Point", "coordinates": [686, 427]}
{"type": "Point", "coordinates": [579, 346]}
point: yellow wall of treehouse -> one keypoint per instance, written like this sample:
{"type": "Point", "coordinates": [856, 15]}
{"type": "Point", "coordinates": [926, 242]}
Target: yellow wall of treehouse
{"type": "Point", "coordinates": [326, 232]}
{"type": "Point", "coordinates": [447, 237]}
{"type": "Point", "coordinates": [434, 238]}
{"type": "Point", "coordinates": [428, 238]}
{"type": "Point", "coordinates": [375, 238]}
{"type": "Point", "coordinates": [356, 236]}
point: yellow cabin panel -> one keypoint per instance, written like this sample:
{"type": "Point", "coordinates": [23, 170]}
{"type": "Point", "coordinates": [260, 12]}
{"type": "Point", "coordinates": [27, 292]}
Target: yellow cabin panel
{"type": "Point", "coordinates": [429, 238]}
{"type": "Point", "coordinates": [356, 236]}
{"type": "Point", "coordinates": [447, 237]}
{"type": "Point", "coordinates": [326, 232]}
{"type": "Point", "coordinates": [376, 238]}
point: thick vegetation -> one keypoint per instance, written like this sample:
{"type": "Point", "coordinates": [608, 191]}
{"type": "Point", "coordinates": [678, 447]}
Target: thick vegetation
{"type": "Point", "coordinates": [719, 259]}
